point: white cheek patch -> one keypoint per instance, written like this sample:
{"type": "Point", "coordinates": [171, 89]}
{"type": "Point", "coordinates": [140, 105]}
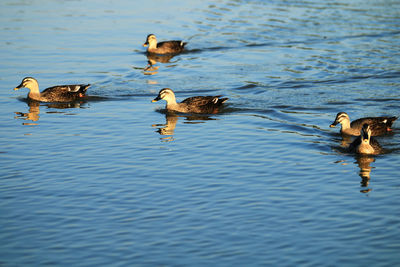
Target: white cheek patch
{"type": "Point", "coordinates": [341, 118]}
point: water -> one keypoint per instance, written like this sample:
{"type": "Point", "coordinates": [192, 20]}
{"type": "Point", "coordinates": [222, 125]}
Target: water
{"type": "Point", "coordinates": [113, 180]}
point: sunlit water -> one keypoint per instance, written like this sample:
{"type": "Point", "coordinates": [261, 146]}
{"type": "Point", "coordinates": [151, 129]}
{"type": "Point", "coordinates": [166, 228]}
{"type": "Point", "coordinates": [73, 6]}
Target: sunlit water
{"type": "Point", "coordinates": [114, 180]}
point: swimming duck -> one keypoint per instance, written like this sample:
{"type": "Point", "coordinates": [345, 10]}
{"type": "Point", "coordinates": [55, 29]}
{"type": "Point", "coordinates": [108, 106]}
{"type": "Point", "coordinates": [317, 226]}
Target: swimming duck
{"type": "Point", "coordinates": [365, 144]}
{"type": "Point", "coordinates": [60, 93]}
{"type": "Point", "coordinates": [196, 104]}
{"type": "Point", "coordinates": [378, 125]}
{"type": "Point", "coordinates": [167, 47]}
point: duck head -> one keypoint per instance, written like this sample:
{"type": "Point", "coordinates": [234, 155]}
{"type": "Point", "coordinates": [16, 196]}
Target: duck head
{"type": "Point", "coordinates": [341, 117]}
{"type": "Point", "coordinates": [30, 83]}
{"type": "Point", "coordinates": [165, 94]}
{"type": "Point", "coordinates": [365, 133]}
{"type": "Point", "coordinates": [151, 41]}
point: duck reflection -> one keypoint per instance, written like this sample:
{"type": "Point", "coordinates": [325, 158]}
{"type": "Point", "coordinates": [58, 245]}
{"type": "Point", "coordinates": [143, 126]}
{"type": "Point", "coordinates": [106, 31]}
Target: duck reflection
{"type": "Point", "coordinates": [346, 141]}
{"type": "Point", "coordinates": [171, 119]}
{"type": "Point", "coordinates": [363, 162]}
{"type": "Point", "coordinates": [34, 110]}
{"type": "Point", "coordinates": [31, 115]}
{"type": "Point", "coordinates": [152, 60]}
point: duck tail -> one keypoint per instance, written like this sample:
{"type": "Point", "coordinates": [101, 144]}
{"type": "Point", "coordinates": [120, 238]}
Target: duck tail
{"type": "Point", "coordinates": [222, 100]}
{"type": "Point", "coordinates": [390, 121]}
{"type": "Point", "coordinates": [84, 88]}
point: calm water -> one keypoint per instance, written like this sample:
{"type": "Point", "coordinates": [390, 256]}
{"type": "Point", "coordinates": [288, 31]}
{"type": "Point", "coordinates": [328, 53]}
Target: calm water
{"type": "Point", "coordinates": [114, 181]}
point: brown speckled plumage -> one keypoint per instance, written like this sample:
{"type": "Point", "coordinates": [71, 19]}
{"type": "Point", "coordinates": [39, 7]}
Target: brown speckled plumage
{"type": "Point", "coordinates": [167, 47]}
{"type": "Point", "coordinates": [196, 104]}
{"type": "Point", "coordinates": [59, 93]}
{"type": "Point", "coordinates": [378, 125]}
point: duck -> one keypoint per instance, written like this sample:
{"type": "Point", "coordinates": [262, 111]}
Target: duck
{"type": "Point", "coordinates": [167, 47]}
{"type": "Point", "coordinates": [195, 104]}
{"type": "Point", "coordinates": [365, 144]}
{"type": "Point", "coordinates": [59, 93]}
{"type": "Point", "coordinates": [378, 125]}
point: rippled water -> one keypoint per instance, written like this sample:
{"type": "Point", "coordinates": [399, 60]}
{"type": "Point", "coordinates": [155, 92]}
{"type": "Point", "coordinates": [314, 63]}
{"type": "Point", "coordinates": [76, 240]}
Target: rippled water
{"type": "Point", "coordinates": [114, 180]}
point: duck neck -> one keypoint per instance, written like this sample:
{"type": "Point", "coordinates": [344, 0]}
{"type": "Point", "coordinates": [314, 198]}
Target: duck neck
{"type": "Point", "coordinates": [152, 45]}
{"type": "Point", "coordinates": [365, 147]}
{"type": "Point", "coordinates": [34, 92]}
{"type": "Point", "coordinates": [171, 103]}
{"type": "Point", "coordinates": [345, 125]}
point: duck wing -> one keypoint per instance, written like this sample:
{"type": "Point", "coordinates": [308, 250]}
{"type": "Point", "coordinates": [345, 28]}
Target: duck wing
{"type": "Point", "coordinates": [204, 104]}
{"type": "Point", "coordinates": [379, 125]}
{"type": "Point", "coordinates": [64, 93]}
{"type": "Point", "coordinates": [353, 146]}
{"type": "Point", "coordinates": [375, 144]}
{"type": "Point", "coordinates": [197, 100]}
{"type": "Point", "coordinates": [372, 121]}
{"type": "Point", "coordinates": [201, 100]}
{"type": "Point", "coordinates": [68, 88]}
{"type": "Point", "coordinates": [171, 46]}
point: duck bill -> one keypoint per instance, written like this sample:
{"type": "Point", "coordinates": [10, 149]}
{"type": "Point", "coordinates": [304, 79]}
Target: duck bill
{"type": "Point", "coordinates": [18, 87]}
{"type": "Point", "coordinates": [156, 99]}
{"type": "Point", "coordinates": [333, 124]}
{"type": "Point", "coordinates": [145, 44]}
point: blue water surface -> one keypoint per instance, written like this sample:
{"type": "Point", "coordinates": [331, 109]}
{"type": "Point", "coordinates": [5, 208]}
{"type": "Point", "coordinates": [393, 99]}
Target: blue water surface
{"type": "Point", "coordinates": [114, 180]}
